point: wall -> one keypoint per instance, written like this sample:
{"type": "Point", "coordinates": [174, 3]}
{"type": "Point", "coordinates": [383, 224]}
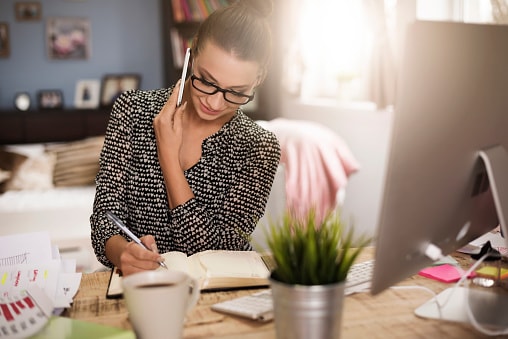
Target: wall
{"type": "Point", "coordinates": [125, 38]}
{"type": "Point", "coordinates": [367, 133]}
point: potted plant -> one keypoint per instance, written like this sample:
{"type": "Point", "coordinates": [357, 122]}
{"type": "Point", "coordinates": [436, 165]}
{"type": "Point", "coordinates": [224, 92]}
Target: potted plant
{"type": "Point", "coordinates": [312, 259]}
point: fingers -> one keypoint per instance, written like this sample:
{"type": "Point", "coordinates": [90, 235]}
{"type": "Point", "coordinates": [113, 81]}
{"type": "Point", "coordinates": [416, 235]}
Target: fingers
{"type": "Point", "coordinates": [170, 110]}
{"type": "Point", "coordinates": [148, 240]}
{"type": "Point", "coordinates": [136, 258]}
{"type": "Point", "coordinates": [154, 248]}
{"type": "Point", "coordinates": [171, 102]}
{"type": "Point", "coordinates": [153, 253]}
{"type": "Point", "coordinates": [178, 115]}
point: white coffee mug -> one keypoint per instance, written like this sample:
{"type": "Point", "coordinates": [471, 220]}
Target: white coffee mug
{"type": "Point", "coordinates": [158, 301]}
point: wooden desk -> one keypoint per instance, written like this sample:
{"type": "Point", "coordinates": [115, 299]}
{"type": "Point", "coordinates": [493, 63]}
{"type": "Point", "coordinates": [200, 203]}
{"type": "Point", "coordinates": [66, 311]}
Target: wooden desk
{"type": "Point", "coordinates": [387, 315]}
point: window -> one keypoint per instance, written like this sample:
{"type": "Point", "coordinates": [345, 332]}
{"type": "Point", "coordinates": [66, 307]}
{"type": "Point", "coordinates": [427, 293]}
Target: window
{"type": "Point", "coordinates": [474, 11]}
{"type": "Point", "coordinates": [346, 50]}
{"type": "Point", "coordinates": [335, 42]}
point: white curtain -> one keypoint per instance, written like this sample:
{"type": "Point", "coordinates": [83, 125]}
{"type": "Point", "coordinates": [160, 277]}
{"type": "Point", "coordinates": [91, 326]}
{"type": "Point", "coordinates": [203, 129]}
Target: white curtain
{"type": "Point", "coordinates": [381, 71]}
{"type": "Point", "coordinates": [499, 11]}
{"type": "Point", "coordinates": [336, 46]}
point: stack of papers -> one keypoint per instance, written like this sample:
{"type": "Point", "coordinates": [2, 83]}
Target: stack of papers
{"type": "Point", "coordinates": [34, 281]}
{"type": "Point", "coordinates": [497, 241]}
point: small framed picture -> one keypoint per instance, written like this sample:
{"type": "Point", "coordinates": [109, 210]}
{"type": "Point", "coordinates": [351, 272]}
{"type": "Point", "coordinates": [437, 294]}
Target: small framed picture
{"type": "Point", "coordinates": [87, 93]}
{"type": "Point", "coordinates": [114, 84]}
{"type": "Point", "coordinates": [50, 99]}
{"type": "Point", "coordinates": [4, 40]}
{"type": "Point", "coordinates": [28, 11]}
{"type": "Point", "coordinates": [68, 38]}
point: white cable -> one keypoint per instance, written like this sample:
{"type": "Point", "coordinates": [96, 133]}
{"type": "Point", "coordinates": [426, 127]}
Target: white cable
{"type": "Point", "coordinates": [464, 276]}
{"type": "Point", "coordinates": [479, 327]}
{"type": "Point", "coordinates": [433, 252]}
{"type": "Point", "coordinates": [471, 317]}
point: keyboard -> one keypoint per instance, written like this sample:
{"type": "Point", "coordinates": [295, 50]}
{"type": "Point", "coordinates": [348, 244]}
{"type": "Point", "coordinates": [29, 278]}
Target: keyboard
{"type": "Point", "coordinates": [359, 277]}
{"type": "Point", "coordinates": [259, 306]}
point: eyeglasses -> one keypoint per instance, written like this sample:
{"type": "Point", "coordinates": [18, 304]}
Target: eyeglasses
{"type": "Point", "coordinates": [230, 96]}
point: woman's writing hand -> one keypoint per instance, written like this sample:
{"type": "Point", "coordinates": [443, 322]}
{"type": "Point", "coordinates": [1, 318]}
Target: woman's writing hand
{"type": "Point", "coordinates": [135, 258]}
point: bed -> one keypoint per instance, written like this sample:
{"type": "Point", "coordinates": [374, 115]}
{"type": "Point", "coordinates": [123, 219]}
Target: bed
{"type": "Point", "coordinates": [60, 151]}
{"type": "Point", "coordinates": [48, 160]}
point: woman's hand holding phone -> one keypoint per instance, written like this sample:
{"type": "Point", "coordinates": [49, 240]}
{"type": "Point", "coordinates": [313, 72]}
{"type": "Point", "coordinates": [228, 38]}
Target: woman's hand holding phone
{"type": "Point", "coordinates": [168, 123]}
{"type": "Point", "coordinates": [168, 126]}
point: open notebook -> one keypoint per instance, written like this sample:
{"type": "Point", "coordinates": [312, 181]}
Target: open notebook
{"type": "Point", "coordinates": [214, 270]}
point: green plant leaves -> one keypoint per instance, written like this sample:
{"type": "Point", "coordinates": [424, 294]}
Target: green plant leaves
{"type": "Point", "coordinates": [310, 253]}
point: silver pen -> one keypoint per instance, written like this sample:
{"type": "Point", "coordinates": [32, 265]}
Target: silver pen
{"type": "Point", "coordinates": [117, 222]}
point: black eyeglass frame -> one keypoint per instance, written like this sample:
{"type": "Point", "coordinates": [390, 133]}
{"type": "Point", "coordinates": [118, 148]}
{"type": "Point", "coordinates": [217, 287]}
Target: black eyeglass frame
{"type": "Point", "coordinates": [223, 91]}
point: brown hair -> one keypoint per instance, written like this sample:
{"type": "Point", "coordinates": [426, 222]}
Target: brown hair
{"type": "Point", "coordinates": [242, 29]}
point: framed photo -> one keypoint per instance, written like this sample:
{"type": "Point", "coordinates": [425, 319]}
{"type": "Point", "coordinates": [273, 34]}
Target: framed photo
{"type": "Point", "coordinates": [87, 93]}
{"type": "Point", "coordinates": [68, 38]}
{"type": "Point", "coordinates": [114, 84]}
{"type": "Point", "coordinates": [28, 11]}
{"type": "Point", "coordinates": [4, 40]}
{"type": "Point", "coordinates": [50, 99]}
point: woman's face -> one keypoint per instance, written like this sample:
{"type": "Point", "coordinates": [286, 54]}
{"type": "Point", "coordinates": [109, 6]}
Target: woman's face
{"type": "Point", "coordinates": [226, 71]}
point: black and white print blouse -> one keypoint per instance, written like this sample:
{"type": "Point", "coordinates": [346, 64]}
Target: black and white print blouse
{"type": "Point", "coordinates": [231, 182]}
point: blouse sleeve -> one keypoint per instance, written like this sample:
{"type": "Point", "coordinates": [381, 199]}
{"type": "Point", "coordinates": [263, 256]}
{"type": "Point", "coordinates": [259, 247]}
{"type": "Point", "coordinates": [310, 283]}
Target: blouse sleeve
{"type": "Point", "coordinates": [195, 229]}
{"type": "Point", "coordinates": [110, 180]}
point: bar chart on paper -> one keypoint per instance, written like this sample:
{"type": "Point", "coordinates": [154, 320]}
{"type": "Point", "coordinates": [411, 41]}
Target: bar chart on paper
{"type": "Point", "coordinates": [25, 313]}
{"type": "Point", "coordinates": [34, 280]}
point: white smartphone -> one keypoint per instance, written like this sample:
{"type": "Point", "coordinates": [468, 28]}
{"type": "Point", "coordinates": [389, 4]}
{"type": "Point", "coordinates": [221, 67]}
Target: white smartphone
{"type": "Point", "coordinates": [184, 76]}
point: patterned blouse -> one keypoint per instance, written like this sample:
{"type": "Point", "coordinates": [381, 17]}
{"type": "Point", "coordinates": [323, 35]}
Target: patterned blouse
{"type": "Point", "coordinates": [231, 182]}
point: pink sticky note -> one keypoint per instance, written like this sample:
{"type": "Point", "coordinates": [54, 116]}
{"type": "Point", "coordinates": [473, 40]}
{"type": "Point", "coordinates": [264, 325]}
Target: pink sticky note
{"type": "Point", "coordinates": [446, 273]}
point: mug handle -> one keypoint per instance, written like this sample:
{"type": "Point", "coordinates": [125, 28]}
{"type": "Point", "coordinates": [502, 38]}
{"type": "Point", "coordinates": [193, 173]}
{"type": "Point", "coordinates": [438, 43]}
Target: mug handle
{"type": "Point", "coordinates": [194, 294]}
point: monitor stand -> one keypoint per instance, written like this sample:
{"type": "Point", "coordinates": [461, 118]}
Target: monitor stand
{"type": "Point", "coordinates": [495, 160]}
{"type": "Point", "coordinates": [488, 307]}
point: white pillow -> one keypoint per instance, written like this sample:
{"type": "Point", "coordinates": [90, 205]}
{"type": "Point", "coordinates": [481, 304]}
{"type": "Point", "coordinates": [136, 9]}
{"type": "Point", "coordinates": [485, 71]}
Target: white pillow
{"type": "Point", "coordinates": [4, 175]}
{"type": "Point", "coordinates": [29, 150]}
{"type": "Point", "coordinates": [35, 173]}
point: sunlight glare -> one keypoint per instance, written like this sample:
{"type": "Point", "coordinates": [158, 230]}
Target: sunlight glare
{"type": "Point", "coordinates": [335, 39]}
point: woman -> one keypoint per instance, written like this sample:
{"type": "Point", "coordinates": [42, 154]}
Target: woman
{"type": "Point", "coordinates": [197, 176]}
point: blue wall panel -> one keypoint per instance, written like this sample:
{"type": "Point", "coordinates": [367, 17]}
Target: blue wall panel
{"type": "Point", "coordinates": [125, 38]}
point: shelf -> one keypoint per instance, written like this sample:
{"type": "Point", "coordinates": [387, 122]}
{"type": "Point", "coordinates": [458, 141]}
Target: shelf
{"type": "Point", "coordinates": [181, 20]}
{"type": "Point", "coordinates": [51, 125]}
{"type": "Point", "coordinates": [177, 32]}
{"type": "Point", "coordinates": [194, 10]}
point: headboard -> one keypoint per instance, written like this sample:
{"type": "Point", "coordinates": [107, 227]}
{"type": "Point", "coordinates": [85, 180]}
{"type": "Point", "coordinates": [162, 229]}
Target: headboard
{"type": "Point", "coordinates": [51, 125]}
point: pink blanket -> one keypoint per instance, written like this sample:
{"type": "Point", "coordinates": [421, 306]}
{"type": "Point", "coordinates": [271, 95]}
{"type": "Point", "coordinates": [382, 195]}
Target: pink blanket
{"type": "Point", "coordinates": [318, 163]}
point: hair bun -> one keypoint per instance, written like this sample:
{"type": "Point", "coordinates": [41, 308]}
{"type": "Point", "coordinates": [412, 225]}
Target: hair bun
{"type": "Point", "coordinates": [260, 7]}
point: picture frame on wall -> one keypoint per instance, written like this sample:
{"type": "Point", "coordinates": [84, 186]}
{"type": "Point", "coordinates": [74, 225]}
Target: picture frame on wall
{"type": "Point", "coordinates": [4, 40]}
{"type": "Point", "coordinates": [28, 11]}
{"type": "Point", "coordinates": [50, 99]}
{"type": "Point", "coordinates": [115, 84]}
{"type": "Point", "coordinates": [87, 93]}
{"type": "Point", "coordinates": [68, 38]}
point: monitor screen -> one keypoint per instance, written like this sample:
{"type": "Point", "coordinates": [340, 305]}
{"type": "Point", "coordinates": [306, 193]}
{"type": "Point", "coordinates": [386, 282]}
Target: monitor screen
{"type": "Point", "coordinates": [452, 103]}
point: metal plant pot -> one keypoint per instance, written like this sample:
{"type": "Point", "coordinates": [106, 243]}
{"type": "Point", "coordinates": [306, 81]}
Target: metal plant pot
{"type": "Point", "coordinates": [303, 312]}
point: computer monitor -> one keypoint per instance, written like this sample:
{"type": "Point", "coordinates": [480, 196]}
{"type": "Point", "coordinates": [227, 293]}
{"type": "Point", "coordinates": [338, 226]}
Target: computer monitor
{"type": "Point", "coordinates": [447, 174]}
